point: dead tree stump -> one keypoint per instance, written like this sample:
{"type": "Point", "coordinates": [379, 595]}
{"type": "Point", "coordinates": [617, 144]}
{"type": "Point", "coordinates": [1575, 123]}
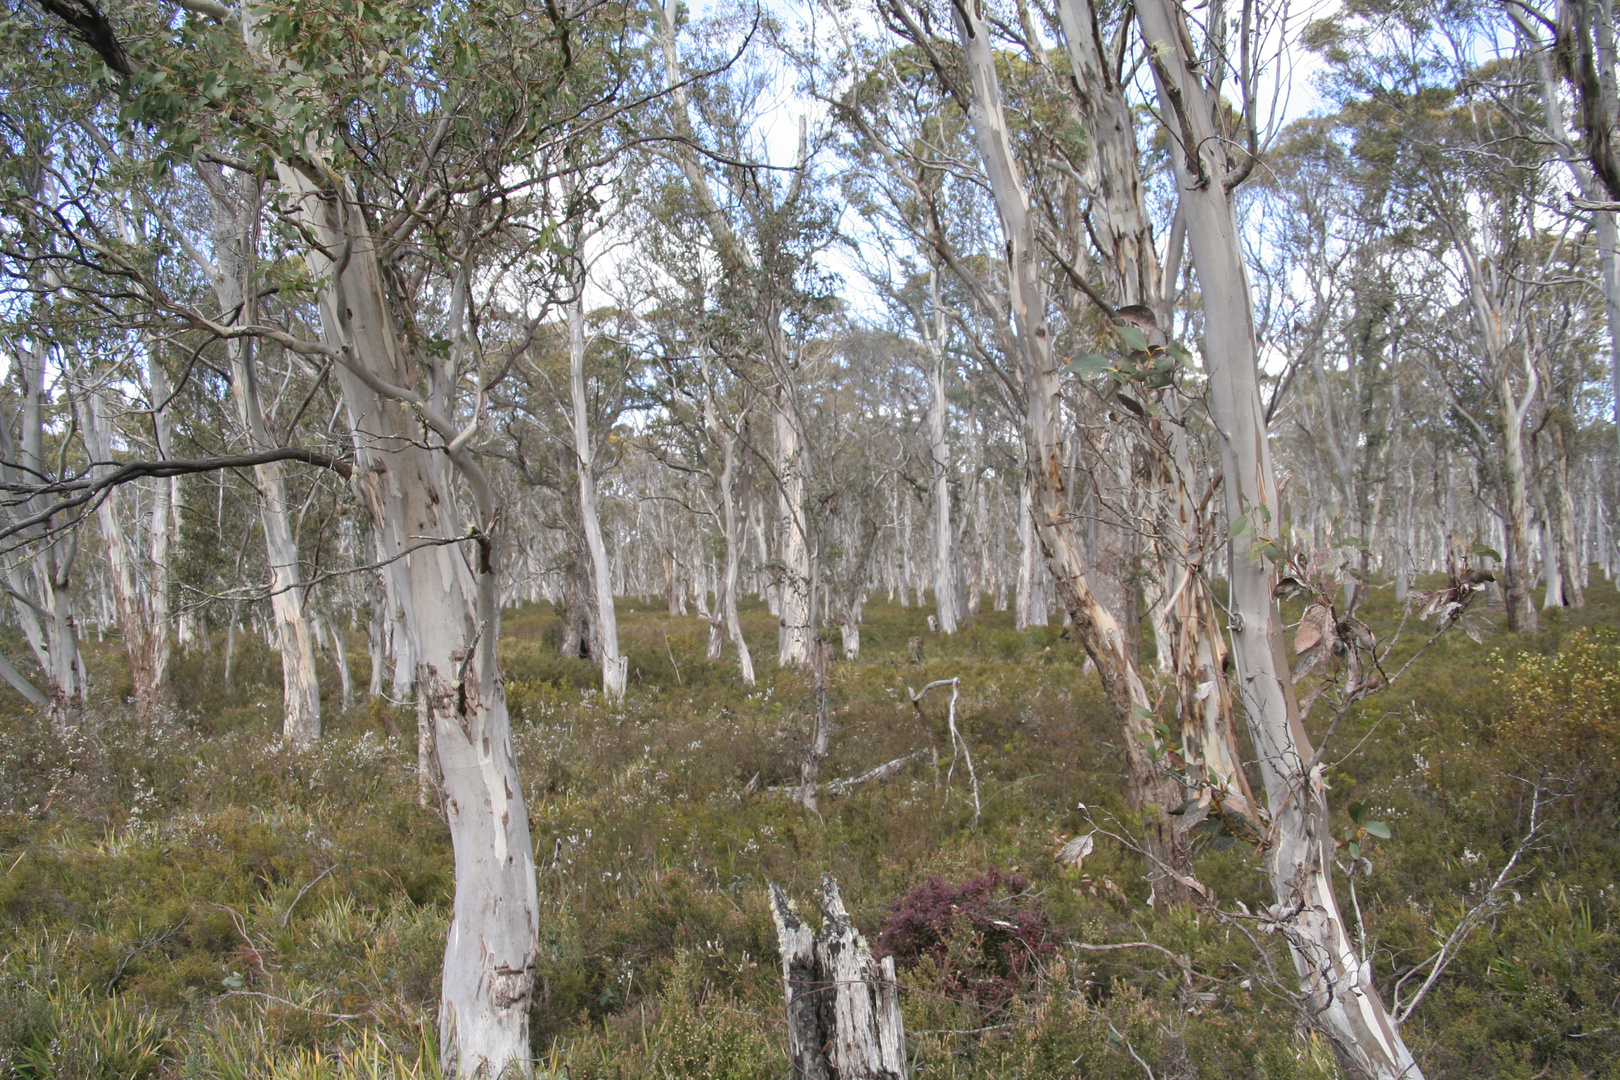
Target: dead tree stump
{"type": "Point", "coordinates": [843, 1007]}
{"type": "Point", "coordinates": [914, 650]}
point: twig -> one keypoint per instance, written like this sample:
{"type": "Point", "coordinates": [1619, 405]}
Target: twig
{"type": "Point", "coordinates": [956, 737]}
{"type": "Point", "coordinates": [1476, 915]}
{"type": "Point", "coordinates": [285, 915]}
{"type": "Point", "coordinates": [1182, 961]}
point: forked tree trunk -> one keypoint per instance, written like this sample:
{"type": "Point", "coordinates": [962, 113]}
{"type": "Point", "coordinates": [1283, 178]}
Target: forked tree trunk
{"type": "Point", "coordinates": [1152, 789]}
{"type": "Point", "coordinates": [843, 1007]}
{"type": "Point", "coordinates": [733, 529]}
{"type": "Point", "coordinates": [41, 583]}
{"type": "Point", "coordinates": [448, 596]}
{"type": "Point", "coordinates": [1187, 630]}
{"type": "Point", "coordinates": [1343, 999]}
{"type": "Point", "coordinates": [1514, 409]}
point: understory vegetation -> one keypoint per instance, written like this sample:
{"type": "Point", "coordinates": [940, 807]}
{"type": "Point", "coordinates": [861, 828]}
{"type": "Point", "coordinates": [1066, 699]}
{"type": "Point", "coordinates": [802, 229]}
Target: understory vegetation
{"type": "Point", "coordinates": [192, 897]}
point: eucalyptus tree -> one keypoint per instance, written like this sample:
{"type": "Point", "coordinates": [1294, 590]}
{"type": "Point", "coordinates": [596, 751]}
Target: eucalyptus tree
{"type": "Point", "coordinates": [1213, 150]}
{"type": "Point", "coordinates": [765, 231]}
{"type": "Point", "coordinates": [703, 424]}
{"type": "Point", "coordinates": [1063, 205]}
{"type": "Point", "coordinates": [408, 150]}
{"type": "Point", "coordinates": [1583, 33]}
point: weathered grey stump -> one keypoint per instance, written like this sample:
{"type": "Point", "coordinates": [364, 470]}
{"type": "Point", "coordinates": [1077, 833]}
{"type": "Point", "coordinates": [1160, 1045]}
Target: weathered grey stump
{"type": "Point", "coordinates": [843, 1007]}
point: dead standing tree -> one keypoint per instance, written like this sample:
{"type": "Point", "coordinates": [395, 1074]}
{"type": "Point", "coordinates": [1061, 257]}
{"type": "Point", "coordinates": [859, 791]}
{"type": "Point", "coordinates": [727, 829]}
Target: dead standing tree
{"type": "Point", "coordinates": [843, 1007]}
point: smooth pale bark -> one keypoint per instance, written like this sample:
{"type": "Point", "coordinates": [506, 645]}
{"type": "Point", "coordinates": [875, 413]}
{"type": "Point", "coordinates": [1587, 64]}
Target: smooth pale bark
{"type": "Point", "coordinates": [794, 643]}
{"type": "Point", "coordinates": [733, 525]}
{"type": "Point", "coordinates": [448, 599]}
{"type": "Point", "coordinates": [41, 582]}
{"type": "Point", "coordinates": [939, 453]}
{"type": "Point", "coordinates": [1343, 999]}
{"type": "Point", "coordinates": [1150, 786]}
{"type": "Point", "coordinates": [235, 211]}
{"type": "Point", "coordinates": [141, 601]}
{"type": "Point", "coordinates": [614, 666]}
{"type": "Point", "coordinates": [1029, 606]}
{"type": "Point", "coordinates": [795, 571]}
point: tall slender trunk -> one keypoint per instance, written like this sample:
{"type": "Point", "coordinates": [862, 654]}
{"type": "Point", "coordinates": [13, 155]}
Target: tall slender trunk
{"type": "Point", "coordinates": [145, 641]}
{"type": "Point", "coordinates": [796, 616]}
{"type": "Point", "coordinates": [1344, 1000]}
{"type": "Point", "coordinates": [939, 453]}
{"type": "Point", "coordinates": [1151, 787]}
{"type": "Point", "coordinates": [161, 533]}
{"type": "Point", "coordinates": [235, 208]}
{"type": "Point", "coordinates": [614, 666]}
{"type": "Point", "coordinates": [1521, 605]}
{"type": "Point", "coordinates": [1029, 607]}
{"type": "Point", "coordinates": [733, 528]}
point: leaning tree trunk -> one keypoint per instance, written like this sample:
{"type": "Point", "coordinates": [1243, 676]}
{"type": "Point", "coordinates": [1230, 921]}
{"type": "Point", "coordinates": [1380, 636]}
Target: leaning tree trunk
{"type": "Point", "coordinates": [1188, 635]}
{"type": "Point", "coordinates": [1343, 999]}
{"type": "Point", "coordinates": [444, 576]}
{"type": "Point", "coordinates": [1152, 789]}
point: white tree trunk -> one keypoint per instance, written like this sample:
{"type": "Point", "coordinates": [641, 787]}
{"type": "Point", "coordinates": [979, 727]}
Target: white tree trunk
{"type": "Point", "coordinates": [1030, 606]}
{"type": "Point", "coordinates": [939, 452]}
{"type": "Point", "coordinates": [796, 616]}
{"type": "Point", "coordinates": [614, 666]}
{"type": "Point", "coordinates": [1343, 998]}
{"type": "Point", "coordinates": [447, 593]}
{"type": "Point", "coordinates": [235, 208]}
{"type": "Point", "coordinates": [41, 583]}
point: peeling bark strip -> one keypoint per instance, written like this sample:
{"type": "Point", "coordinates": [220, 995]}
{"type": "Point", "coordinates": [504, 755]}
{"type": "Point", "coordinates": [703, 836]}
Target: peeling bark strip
{"type": "Point", "coordinates": [843, 1007]}
{"type": "Point", "coordinates": [1344, 1001]}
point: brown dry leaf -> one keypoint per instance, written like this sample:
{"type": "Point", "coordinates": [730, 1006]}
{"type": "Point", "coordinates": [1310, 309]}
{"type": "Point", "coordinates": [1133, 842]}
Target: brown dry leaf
{"type": "Point", "coordinates": [1311, 626]}
{"type": "Point", "coordinates": [1075, 851]}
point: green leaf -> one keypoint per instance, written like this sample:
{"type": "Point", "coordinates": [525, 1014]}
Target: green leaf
{"type": "Point", "coordinates": [1480, 549]}
{"type": "Point", "coordinates": [1376, 828]}
{"type": "Point", "coordinates": [1132, 338]}
{"type": "Point", "coordinates": [1088, 364]}
{"type": "Point", "coordinates": [1358, 812]}
{"type": "Point", "coordinates": [1239, 527]}
{"type": "Point", "coordinates": [1144, 713]}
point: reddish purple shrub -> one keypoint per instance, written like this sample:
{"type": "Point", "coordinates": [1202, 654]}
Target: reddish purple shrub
{"type": "Point", "coordinates": [985, 935]}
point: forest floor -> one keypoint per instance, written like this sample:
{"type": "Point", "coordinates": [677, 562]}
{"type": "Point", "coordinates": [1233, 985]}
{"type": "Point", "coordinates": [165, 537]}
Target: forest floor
{"type": "Point", "coordinates": [191, 898]}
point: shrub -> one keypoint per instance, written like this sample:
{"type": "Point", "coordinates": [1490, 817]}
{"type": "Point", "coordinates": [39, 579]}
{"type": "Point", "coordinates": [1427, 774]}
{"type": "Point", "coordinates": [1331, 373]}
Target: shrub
{"type": "Point", "coordinates": [985, 934]}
